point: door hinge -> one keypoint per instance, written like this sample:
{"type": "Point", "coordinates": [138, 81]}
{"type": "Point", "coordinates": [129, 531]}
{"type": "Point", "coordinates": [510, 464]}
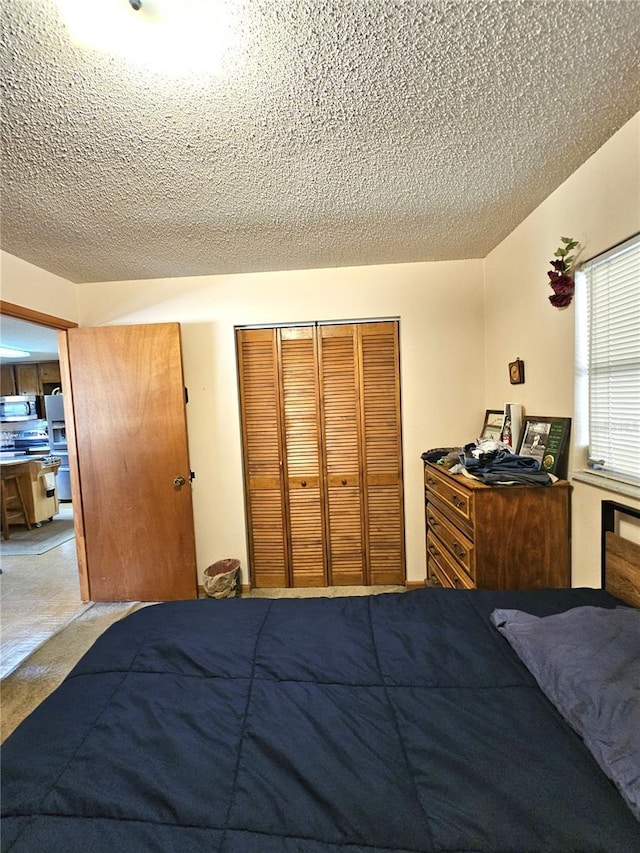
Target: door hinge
{"type": "Point", "coordinates": [186, 395]}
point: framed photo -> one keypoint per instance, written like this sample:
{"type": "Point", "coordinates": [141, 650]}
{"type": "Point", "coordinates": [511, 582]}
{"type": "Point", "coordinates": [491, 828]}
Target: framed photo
{"type": "Point", "coordinates": [547, 439]}
{"type": "Point", "coordinates": [492, 428]}
{"type": "Point", "coordinates": [516, 372]}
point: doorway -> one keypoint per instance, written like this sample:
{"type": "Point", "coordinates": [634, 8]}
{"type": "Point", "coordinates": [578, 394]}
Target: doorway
{"type": "Point", "coordinates": [40, 592]}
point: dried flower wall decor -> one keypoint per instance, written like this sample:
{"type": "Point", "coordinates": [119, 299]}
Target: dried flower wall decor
{"type": "Point", "coordinates": [561, 277]}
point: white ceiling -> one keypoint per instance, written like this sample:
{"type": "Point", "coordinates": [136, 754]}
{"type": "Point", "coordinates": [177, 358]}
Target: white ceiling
{"type": "Point", "coordinates": [40, 342]}
{"type": "Point", "coordinates": [338, 133]}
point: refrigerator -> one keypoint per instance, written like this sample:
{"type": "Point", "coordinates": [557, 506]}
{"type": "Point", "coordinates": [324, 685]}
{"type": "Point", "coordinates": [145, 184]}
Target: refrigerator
{"type": "Point", "coordinates": [54, 413]}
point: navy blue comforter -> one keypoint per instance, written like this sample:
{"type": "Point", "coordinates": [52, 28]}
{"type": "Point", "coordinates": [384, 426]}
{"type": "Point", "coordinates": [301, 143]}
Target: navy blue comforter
{"type": "Point", "coordinates": [382, 723]}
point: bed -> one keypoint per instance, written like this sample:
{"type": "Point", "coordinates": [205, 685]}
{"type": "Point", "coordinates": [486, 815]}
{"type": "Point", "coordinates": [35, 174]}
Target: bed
{"type": "Point", "coordinates": [392, 722]}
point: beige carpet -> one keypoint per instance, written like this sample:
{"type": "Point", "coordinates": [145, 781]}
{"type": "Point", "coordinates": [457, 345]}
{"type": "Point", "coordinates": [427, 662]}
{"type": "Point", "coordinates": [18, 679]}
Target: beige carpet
{"type": "Point", "coordinates": [322, 591]}
{"type": "Point", "coordinates": [42, 672]}
{"type": "Point", "coordinates": [37, 676]}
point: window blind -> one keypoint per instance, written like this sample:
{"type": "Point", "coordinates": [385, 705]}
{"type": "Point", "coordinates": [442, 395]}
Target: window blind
{"type": "Point", "coordinates": [613, 347]}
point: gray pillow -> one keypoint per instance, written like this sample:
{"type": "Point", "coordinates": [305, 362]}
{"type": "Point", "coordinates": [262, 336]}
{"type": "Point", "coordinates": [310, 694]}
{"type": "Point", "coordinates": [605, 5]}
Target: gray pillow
{"type": "Point", "coordinates": [587, 662]}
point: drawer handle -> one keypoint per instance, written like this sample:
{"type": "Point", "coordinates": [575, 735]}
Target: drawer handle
{"type": "Point", "coordinates": [435, 580]}
{"type": "Point", "coordinates": [344, 482]}
{"type": "Point", "coordinates": [430, 481]}
{"type": "Point", "coordinates": [458, 584]}
{"type": "Point", "coordinates": [303, 483]}
{"type": "Point", "coordinates": [433, 550]}
{"type": "Point", "coordinates": [458, 550]}
{"type": "Point", "coordinates": [457, 502]}
{"type": "Point", "coordinates": [433, 522]}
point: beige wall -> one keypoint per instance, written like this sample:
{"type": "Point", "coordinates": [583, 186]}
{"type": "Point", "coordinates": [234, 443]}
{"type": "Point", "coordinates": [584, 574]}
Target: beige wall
{"type": "Point", "coordinates": [454, 365]}
{"type": "Point", "coordinates": [441, 342]}
{"type": "Point", "coordinates": [31, 287]}
{"type": "Point", "coordinates": [599, 205]}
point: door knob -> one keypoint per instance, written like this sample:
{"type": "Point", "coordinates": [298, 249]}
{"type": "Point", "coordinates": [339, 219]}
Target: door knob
{"type": "Point", "coordinates": [179, 481]}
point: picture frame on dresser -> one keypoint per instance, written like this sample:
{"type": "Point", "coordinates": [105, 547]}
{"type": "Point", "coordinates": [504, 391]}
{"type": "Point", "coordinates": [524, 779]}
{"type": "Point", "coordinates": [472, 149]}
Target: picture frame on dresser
{"type": "Point", "coordinates": [547, 440]}
{"type": "Point", "coordinates": [492, 427]}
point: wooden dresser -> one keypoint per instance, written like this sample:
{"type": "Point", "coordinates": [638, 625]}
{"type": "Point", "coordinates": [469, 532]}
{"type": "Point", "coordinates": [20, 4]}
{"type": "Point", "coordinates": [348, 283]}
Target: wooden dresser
{"type": "Point", "coordinates": [496, 537]}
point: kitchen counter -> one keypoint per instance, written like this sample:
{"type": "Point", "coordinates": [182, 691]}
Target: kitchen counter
{"type": "Point", "coordinates": [17, 456]}
{"type": "Point", "coordinates": [33, 473]}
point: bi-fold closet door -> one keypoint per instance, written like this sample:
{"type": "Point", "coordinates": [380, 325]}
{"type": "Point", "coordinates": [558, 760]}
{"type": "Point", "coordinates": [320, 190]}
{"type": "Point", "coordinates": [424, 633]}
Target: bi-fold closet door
{"type": "Point", "coordinates": [320, 408]}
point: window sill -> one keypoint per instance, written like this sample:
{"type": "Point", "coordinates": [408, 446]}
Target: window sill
{"type": "Point", "coordinates": [607, 481]}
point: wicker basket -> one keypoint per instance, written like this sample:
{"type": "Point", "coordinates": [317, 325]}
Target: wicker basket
{"type": "Point", "coordinates": [222, 579]}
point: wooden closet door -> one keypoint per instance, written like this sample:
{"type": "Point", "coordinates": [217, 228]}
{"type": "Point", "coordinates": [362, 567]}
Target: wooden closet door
{"type": "Point", "coordinates": [302, 456]}
{"type": "Point", "coordinates": [339, 395]}
{"type": "Point", "coordinates": [382, 452]}
{"type": "Point", "coordinates": [262, 445]}
{"type": "Point", "coordinates": [323, 461]}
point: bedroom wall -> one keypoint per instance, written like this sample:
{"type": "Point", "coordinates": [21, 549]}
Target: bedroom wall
{"type": "Point", "coordinates": [446, 345]}
{"type": "Point", "coordinates": [599, 205]}
{"type": "Point", "coordinates": [31, 287]}
{"type": "Point", "coordinates": [440, 306]}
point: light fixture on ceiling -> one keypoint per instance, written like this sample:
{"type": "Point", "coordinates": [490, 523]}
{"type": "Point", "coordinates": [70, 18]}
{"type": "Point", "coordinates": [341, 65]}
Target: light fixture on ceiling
{"type": "Point", "coordinates": [12, 352]}
{"type": "Point", "coordinates": [164, 35]}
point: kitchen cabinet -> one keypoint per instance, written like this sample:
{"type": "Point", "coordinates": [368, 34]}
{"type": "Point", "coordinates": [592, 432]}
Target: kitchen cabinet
{"type": "Point", "coordinates": [495, 537]}
{"type": "Point", "coordinates": [34, 378]}
{"type": "Point", "coordinates": [322, 452]}
{"type": "Point", "coordinates": [49, 372]}
{"type": "Point", "coordinates": [7, 381]}
{"type": "Point", "coordinates": [27, 379]}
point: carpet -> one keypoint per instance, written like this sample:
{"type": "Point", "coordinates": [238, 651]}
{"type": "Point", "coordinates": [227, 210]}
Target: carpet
{"type": "Point", "coordinates": [38, 540]}
{"type": "Point", "coordinates": [37, 676]}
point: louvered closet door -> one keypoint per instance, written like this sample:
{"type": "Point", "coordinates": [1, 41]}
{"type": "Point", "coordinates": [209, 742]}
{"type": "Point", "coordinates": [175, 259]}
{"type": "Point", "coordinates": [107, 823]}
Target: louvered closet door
{"type": "Point", "coordinates": [338, 365]}
{"type": "Point", "coordinates": [303, 456]}
{"type": "Point", "coordinates": [323, 461]}
{"type": "Point", "coordinates": [264, 482]}
{"type": "Point", "coordinates": [382, 452]}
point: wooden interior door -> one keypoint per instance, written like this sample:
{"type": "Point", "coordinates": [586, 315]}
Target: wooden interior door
{"type": "Point", "coordinates": [258, 369]}
{"type": "Point", "coordinates": [126, 424]}
{"type": "Point", "coordinates": [302, 457]}
{"type": "Point", "coordinates": [323, 454]}
{"type": "Point", "coordinates": [341, 422]}
{"type": "Point", "coordinates": [382, 452]}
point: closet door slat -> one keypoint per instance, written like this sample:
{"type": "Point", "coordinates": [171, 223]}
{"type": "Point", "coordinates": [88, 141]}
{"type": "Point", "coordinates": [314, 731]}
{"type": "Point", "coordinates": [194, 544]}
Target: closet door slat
{"type": "Point", "coordinates": [339, 395]}
{"type": "Point", "coordinates": [258, 371]}
{"type": "Point", "coordinates": [302, 456]}
{"type": "Point", "coordinates": [382, 452]}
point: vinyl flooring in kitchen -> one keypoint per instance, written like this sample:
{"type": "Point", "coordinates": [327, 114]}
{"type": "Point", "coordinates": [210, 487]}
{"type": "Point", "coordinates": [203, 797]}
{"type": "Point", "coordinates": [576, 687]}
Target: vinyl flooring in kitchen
{"type": "Point", "coordinates": [39, 595]}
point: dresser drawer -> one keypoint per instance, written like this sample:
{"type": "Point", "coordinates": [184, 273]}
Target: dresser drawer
{"type": "Point", "coordinates": [440, 564]}
{"type": "Point", "coordinates": [461, 549]}
{"type": "Point", "coordinates": [435, 576]}
{"type": "Point", "coordinates": [454, 497]}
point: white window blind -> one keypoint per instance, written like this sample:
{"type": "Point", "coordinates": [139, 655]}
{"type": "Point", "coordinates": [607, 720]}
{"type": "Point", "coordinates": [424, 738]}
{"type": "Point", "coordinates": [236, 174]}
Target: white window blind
{"type": "Point", "coordinates": [612, 293]}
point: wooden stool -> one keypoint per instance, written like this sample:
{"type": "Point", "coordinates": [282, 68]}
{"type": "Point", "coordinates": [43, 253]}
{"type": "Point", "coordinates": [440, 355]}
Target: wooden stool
{"type": "Point", "coordinates": [12, 503]}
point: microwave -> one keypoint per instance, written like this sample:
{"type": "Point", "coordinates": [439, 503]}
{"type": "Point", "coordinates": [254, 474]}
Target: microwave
{"type": "Point", "coordinates": [18, 408]}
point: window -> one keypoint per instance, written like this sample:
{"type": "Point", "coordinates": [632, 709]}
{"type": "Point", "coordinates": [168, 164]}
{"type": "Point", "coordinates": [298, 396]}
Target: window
{"type": "Point", "coordinates": [608, 353]}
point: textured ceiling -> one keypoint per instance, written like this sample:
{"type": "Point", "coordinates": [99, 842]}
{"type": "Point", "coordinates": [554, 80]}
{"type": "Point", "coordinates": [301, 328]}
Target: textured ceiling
{"type": "Point", "coordinates": [337, 133]}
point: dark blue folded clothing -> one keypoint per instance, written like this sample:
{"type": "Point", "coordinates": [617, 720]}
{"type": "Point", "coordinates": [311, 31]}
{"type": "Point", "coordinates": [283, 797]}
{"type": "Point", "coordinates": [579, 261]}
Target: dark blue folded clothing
{"type": "Point", "coordinates": [511, 476]}
{"type": "Point", "coordinates": [501, 460]}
